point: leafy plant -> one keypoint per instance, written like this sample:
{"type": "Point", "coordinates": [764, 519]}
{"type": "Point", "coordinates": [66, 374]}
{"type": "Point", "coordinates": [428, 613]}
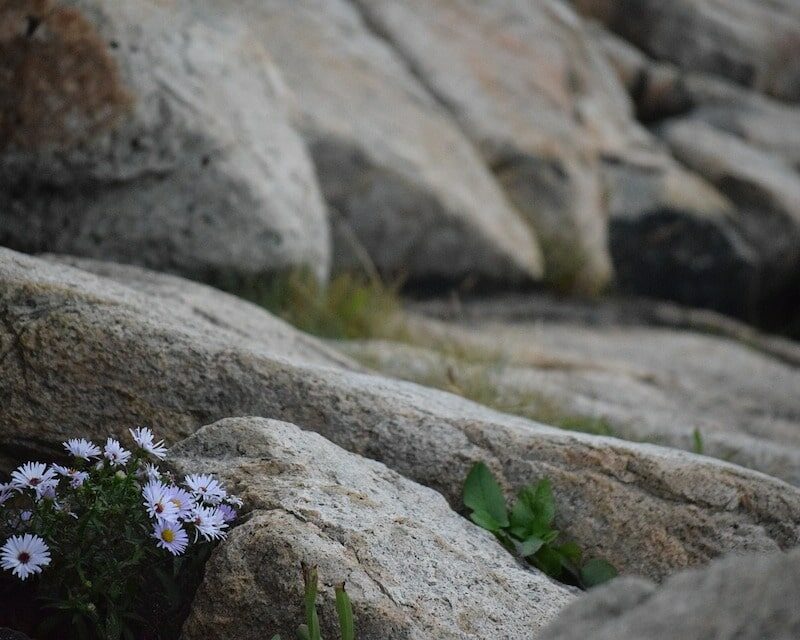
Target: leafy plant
{"type": "Point", "coordinates": [113, 546]}
{"type": "Point", "coordinates": [527, 528]}
{"type": "Point", "coordinates": [344, 609]}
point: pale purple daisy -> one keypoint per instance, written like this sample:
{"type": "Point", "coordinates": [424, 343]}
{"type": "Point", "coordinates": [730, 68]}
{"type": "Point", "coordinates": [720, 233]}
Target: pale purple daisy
{"type": "Point", "coordinates": [148, 471]}
{"type": "Point", "coordinates": [171, 537]}
{"type": "Point", "coordinates": [206, 488]}
{"type": "Point", "coordinates": [24, 555]}
{"type": "Point", "coordinates": [76, 478]}
{"type": "Point", "coordinates": [183, 500]}
{"type": "Point", "coordinates": [145, 440]}
{"type": "Point", "coordinates": [209, 522]}
{"type": "Point", "coordinates": [36, 476]}
{"type": "Point", "coordinates": [82, 448]}
{"type": "Point", "coordinates": [157, 500]}
{"type": "Point", "coordinates": [228, 512]}
{"type": "Point", "coordinates": [115, 454]}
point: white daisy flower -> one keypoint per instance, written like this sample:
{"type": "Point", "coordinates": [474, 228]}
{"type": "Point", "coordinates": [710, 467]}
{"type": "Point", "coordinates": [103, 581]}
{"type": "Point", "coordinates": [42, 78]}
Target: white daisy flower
{"type": "Point", "coordinates": [145, 440]}
{"type": "Point", "coordinates": [115, 454]}
{"type": "Point", "coordinates": [82, 448]}
{"type": "Point", "coordinates": [24, 555]}
{"type": "Point", "coordinates": [171, 537]}
{"type": "Point", "coordinates": [76, 478]}
{"type": "Point", "coordinates": [183, 500]}
{"type": "Point", "coordinates": [206, 488]}
{"type": "Point", "coordinates": [36, 476]}
{"type": "Point", "coordinates": [157, 500]}
{"type": "Point", "coordinates": [209, 522]}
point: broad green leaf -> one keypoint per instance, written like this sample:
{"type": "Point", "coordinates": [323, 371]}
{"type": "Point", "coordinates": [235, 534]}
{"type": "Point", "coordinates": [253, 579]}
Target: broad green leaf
{"type": "Point", "coordinates": [529, 546]}
{"type": "Point", "coordinates": [345, 611]}
{"type": "Point", "coordinates": [549, 561]}
{"type": "Point", "coordinates": [571, 551]}
{"type": "Point", "coordinates": [597, 571]}
{"type": "Point", "coordinates": [483, 494]}
{"type": "Point", "coordinates": [486, 521]}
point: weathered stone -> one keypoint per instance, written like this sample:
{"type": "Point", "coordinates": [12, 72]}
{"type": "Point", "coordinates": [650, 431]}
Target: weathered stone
{"type": "Point", "coordinates": [405, 185]}
{"type": "Point", "coordinates": [751, 42]}
{"type": "Point", "coordinates": [738, 598]}
{"type": "Point", "coordinates": [83, 355]}
{"type": "Point", "coordinates": [766, 190]}
{"type": "Point", "coordinates": [154, 134]}
{"type": "Point", "coordinates": [613, 377]}
{"type": "Point", "coordinates": [563, 141]}
{"type": "Point", "coordinates": [413, 567]}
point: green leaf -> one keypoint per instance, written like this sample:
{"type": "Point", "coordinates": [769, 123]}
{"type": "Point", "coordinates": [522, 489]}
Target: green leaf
{"type": "Point", "coordinates": [597, 571]}
{"type": "Point", "coordinates": [571, 552]}
{"type": "Point", "coordinates": [529, 546]}
{"type": "Point", "coordinates": [486, 521]}
{"type": "Point", "coordinates": [548, 560]}
{"type": "Point", "coordinates": [483, 495]}
{"type": "Point", "coordinates": [345, 611]}
{"type": "Point", "coordinates": [302, 632]}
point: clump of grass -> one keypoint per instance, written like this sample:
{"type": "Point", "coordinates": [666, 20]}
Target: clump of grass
{"type": "Point", "coordinates": [350, 306]}
{"type": "Point", "coordinates": [527, 529]}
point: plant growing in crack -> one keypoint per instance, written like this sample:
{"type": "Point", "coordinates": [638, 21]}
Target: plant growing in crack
{"type": "Point", "coordinates": [527, 528]}
{"type": "Point", "coordinates": [107, 545]}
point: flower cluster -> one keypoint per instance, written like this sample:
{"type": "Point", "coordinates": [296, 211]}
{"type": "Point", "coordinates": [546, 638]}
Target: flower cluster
{"type": "Point", "coordinates": [40, 496]}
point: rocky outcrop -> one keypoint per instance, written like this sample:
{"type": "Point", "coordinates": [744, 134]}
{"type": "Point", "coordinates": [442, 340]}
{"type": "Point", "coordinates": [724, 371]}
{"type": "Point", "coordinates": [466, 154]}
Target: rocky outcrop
{"type": "Point", "coordinates": [739, 598]}
{"type": "Point", "coordinates": [154, 134]}
{"type": "Point", "coordinates": [747, 146]}
{"type": "Point", "coordinates": [751, 42]}
{"type": "Point", "coordinates": [413, 567]}
{"type": "Point", "coordinates": [602, 369]}
{"type": "Point", "coordinates": [528, 84]}
{"type": "Point", "coordinates": [88, 355]}
{"type": "Point", "coordinates": [404, 185]}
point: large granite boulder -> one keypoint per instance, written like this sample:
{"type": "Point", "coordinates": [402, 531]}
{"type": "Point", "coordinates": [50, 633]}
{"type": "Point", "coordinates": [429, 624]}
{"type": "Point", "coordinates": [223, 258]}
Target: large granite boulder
{"type": "Point", "coordinates": [751, 42]}
{"type": "Point", "coordinates": [413, 567]}
{"type": "Point", "coordinates": [404, 185]}
{"type": "Point", "coordinates": [89, 355]}
{"type": "Point", "coordinates": [526, 81]}
{"type": "Point", "coordinates": [738, 598]}
{"type": "Point", "coordinates": [151, 133]}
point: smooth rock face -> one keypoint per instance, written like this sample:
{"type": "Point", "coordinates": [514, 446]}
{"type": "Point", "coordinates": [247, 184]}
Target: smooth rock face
{"type": "Point", "coordinates": [152, 133]}
{"type": "Point", "coordinates": [404, 185]}
{"type": "Point", "coordinates": [87, 356]}
{"type": "Point", "coordinates": [751, 42]}
{"type": "Point", "coordinates": [738, 598]}
{"type": "Point", "coordinates": [643, 383]}
{"type": "Point", "coordinates": [413, 567]}
{"type": "Point", "coordinates": [518, 78]}
{"type": "Point", "coordinates": [526, 81]}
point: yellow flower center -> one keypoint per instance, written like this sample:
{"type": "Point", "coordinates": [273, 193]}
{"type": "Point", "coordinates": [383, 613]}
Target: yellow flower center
{"type": "Point", "coordinates": [168, 535]}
